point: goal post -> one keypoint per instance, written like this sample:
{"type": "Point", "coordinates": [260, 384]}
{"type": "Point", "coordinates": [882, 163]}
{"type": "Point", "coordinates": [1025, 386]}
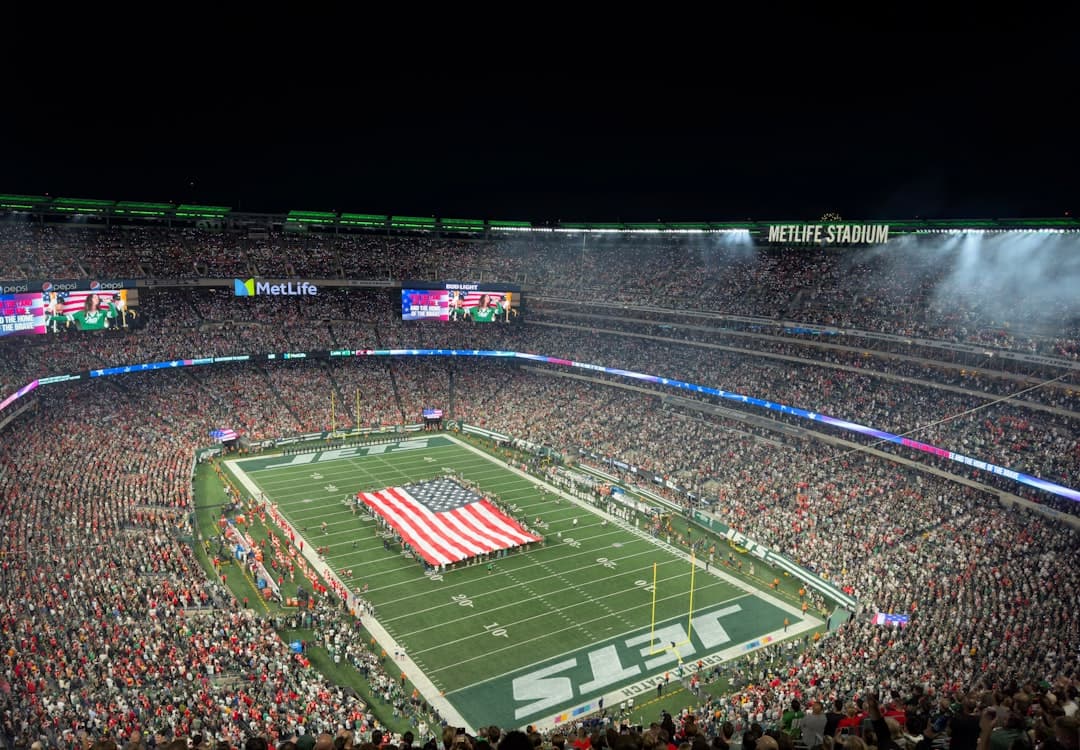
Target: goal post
{"type": "Point", "coordinates": [653, 650]}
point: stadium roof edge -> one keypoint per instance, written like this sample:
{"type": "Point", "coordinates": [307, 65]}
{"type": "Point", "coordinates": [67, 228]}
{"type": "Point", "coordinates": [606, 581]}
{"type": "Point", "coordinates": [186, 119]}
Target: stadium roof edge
{"type": "Point", "coordinates": [301, 220]}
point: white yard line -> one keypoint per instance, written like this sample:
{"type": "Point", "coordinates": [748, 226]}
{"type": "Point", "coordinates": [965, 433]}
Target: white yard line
{"type": "Point", "coordinates": [427, 687]}
{"type": "Point", "coordinates": [493, 592]}
{"type": "Point", "coordinates": [640, 688]}
{"type": "Point", "coordinates": [713, 569]}
{"type": "Point", "coordinates": [487, 654]}
{"type": "Point", "coordinates": [521, 620]}
{"type": "Point", "coordinates": [413, 671]}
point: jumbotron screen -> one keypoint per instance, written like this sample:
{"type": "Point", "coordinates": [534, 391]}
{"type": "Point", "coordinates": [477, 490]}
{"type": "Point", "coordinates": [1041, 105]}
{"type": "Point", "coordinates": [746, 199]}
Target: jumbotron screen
{"type": "Point", "coordinates": [460, 302]}
{"type": "Point", "coordinates": [53, 312]}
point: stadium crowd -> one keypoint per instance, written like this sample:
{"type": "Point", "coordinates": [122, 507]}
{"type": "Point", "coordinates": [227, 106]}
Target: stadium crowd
{"type": "Point", "coordinates": [109, 625]}
{"type": "Point", "coordinates": [923, 287]}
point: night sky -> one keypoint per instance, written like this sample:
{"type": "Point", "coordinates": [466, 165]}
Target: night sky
{"type": "Point", "coordinates": [884, 138]}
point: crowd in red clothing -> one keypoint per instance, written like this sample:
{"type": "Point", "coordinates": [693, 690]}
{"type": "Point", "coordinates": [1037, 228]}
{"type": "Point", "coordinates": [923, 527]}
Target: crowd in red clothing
{"type": "Point", "coordinates": [107, 621]}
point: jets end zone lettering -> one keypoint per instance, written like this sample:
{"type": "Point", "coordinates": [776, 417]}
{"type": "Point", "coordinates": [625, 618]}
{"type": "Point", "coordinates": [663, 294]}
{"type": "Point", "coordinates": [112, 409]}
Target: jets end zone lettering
{"type": "Point", "coordinates": [829, 234]}
{"type": "Point", "coordinates": [610, 665]}
{"type": "Point", "coordinates": [352, 451]}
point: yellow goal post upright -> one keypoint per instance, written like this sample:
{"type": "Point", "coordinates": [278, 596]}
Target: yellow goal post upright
{"type": "Point", "coordinates": [689, 615]}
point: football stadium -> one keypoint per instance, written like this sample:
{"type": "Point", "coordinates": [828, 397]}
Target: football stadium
{"type": "Point", "coordinates": [265, 491]}
{"type": "Point", "coordinates": [335, 477]}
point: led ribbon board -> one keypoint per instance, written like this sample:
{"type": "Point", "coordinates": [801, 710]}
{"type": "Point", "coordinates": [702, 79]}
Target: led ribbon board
{"type": "Point", "coordinates": [1016, 476]}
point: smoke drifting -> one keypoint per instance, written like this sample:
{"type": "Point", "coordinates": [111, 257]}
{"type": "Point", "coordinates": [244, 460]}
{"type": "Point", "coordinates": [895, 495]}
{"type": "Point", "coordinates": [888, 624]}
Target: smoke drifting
{"type": "Point", "coordinates": [1018, 281]}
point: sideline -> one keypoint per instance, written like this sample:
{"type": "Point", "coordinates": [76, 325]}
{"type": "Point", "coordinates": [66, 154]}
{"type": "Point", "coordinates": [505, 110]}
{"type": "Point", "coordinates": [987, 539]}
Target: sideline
{"type": "Point", "coordinates": [436, 698]}
{"type": "Point", "coordinates": [413, 672]}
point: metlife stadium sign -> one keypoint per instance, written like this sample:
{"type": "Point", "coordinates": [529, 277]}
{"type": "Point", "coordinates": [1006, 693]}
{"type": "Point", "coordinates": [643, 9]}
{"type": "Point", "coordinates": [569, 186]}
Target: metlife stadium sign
{"type": "Point", "coordinates": [251, 288]}
{"type": "Point", "coordinates": [829, 234]}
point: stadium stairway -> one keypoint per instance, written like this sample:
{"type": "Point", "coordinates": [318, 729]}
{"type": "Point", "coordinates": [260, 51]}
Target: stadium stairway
{"type": "Point", "coordinates": [337, 386]}
{"type": "Point", "coordinates": [210, 392]}
{"type": "Point", "coordinates": [388, 362]}
{"type": "Point", "coordinates": [281, 398]}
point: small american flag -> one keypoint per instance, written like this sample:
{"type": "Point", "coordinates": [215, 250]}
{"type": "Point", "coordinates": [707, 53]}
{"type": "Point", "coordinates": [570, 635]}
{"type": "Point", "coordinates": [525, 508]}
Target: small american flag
{"type": "Point", "coordinates": [445, 522]}
{"type": "Point", "coordinates": [223, 435]}
{"type": "Point", "coordinates": [884, 618]}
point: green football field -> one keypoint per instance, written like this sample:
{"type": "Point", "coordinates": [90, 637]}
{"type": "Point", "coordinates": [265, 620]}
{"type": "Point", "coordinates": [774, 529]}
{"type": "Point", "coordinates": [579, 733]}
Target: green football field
{"type": "Point", "coordinates": [549, 631]}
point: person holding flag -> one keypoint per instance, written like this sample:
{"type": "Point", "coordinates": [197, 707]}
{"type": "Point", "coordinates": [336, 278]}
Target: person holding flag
{"type": "Point", "coordinates": [53, 312]}
{"type": "Point", "coordinates": [117, 315]}
{"type": "Point", "coordinates": [457, 308]}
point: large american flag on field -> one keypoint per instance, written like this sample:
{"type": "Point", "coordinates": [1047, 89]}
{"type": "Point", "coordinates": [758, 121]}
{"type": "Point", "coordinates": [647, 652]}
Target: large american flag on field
{"type": "Point", "coordinates": [445, 522]}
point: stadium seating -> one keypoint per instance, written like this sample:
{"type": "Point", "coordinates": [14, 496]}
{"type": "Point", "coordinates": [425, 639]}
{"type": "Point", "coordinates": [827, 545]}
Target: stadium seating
{"type": "Point", "coordinates": [107, 622]}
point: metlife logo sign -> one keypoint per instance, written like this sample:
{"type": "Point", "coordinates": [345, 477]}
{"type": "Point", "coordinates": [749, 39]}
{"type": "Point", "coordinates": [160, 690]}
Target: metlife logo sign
{"type": "Point", "coordinates": [251, 288]}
